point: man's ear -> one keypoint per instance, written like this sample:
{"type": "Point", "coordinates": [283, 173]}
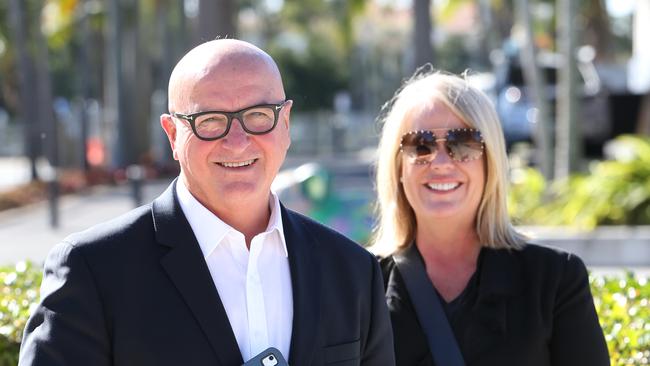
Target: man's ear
{"type": "Point", "coordinates": [286, 110]}
{"type": "Point", "coordinates": [168, 125]}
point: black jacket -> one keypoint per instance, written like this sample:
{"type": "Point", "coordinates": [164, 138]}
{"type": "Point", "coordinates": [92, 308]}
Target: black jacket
{"type": "Point", "coordinates": [137, 291]}
{"type": "Point", "coordinates": [532, 307]}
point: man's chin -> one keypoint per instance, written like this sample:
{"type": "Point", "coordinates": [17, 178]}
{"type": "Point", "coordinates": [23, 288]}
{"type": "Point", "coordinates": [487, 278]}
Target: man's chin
{"type": "Point", "coordinates": [241, 192]}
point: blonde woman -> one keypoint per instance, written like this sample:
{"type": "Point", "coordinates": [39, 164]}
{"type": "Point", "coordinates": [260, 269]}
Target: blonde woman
{"type": "Point", "coordinates": [441, 183]}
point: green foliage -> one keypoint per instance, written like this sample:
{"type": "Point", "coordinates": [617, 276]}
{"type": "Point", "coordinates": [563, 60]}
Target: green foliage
{"type": "Point", "coordinates": [527, 188]}
{"type": "Point", "coordinates": [19, 293]}
{"type": "Point", "coordinates": [615, 192]}
{"type": "Point", "coordinates": [453, 55]}
{"type": "Point", "coordinates": [623, 310]}
{"type": "Point", "coordinates": [312, 78]}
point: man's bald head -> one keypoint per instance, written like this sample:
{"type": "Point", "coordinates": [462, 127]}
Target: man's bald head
{"type": "Point", "coordinates": [223, 60]}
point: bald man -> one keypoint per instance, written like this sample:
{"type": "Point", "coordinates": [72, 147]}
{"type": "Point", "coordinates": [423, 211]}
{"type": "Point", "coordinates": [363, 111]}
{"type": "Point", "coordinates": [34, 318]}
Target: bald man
{"type": "Point", "coordinates": [216, 269]}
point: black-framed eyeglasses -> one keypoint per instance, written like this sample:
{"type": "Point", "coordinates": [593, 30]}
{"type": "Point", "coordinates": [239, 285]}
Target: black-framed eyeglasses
{"type": "Point", "coordinates": [255, 120]}
{"type": "Point", "coordinates": [461, 144]}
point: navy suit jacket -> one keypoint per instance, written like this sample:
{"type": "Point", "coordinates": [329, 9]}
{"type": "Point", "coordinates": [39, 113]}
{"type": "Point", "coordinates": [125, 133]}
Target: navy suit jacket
{"type": "Point", "coordinates": [137, 291]}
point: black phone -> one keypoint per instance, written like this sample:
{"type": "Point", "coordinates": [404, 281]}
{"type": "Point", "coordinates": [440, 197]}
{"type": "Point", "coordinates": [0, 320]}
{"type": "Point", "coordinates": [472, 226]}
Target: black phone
{"type": "Point", "coordinates": [269, 357]}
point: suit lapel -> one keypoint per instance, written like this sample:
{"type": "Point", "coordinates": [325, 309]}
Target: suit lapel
{"type": "Point", "coordinates": [306, 284]}
{"type": "Point", "coordinates": [498, 281]}
{"type": "Point", "coordinates": [186, 267]}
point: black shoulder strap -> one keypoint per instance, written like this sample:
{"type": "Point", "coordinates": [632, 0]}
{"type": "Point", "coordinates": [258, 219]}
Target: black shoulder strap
{"type": "Point", "coordinates": [428, 308]}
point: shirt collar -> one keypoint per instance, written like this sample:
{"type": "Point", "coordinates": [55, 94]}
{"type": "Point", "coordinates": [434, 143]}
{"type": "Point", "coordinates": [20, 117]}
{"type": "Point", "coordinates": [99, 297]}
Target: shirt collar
{"type": "Point", "coordinates": [210, 230]}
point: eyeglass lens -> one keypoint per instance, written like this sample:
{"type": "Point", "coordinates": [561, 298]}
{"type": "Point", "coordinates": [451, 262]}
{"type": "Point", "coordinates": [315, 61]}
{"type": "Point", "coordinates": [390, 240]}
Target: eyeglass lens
{"type": "Point", "coordinates": [461, 145]}
{"type": "Point", "coordinates": [255, 120]}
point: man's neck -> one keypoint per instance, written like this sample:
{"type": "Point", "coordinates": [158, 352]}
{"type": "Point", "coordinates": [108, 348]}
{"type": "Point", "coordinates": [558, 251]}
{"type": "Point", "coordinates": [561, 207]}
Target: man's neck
{"type": "Point", "coordinates": [252, 220]}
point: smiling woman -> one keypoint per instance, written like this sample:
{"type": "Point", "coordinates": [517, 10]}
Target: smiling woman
{"type": "Point", "coordinates": [462, 286]}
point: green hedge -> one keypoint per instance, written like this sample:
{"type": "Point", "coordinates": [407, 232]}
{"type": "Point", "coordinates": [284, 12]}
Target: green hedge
{"type": "Point", "coordinates": [613, 192]}
{"type": "Point", "coordinates": [624, 312]}
{"type": "Point", "coordinates": [20, 284]}
{"type": "Point", "coordinates": [621, 302]}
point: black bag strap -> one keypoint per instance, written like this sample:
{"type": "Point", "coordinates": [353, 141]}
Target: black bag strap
{"type": "Point", "coordinates": [432, 317]}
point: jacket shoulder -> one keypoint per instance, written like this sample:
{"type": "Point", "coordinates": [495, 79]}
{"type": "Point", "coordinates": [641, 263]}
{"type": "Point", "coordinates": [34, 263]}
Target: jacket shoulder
{"type": "Point", "coordinates": [135, 222]}
{"type": "Point", "coordinates": [546, 256]}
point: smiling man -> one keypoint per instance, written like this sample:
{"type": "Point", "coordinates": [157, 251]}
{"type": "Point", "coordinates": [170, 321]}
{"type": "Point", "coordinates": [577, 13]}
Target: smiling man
{"type": "Point", "coordinates": [215, 270]}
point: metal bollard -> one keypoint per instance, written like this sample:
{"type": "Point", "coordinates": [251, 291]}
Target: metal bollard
{"type": "Point", "coordinates": [136, 174]}
{"type": "Point", "coordinates": [50, 175]}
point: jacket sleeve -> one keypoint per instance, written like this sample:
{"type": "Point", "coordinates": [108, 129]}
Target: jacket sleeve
{"type": "Point", "coordinates": [577, 338]}
{"type": "Point", "coordinates": [378, 349]}
{"type": "Point", "coordinates": [68, 325]}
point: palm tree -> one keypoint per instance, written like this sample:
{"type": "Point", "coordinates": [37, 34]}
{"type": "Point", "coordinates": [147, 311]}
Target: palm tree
{"type": "Point", "coordinates": [422, 31]}
{"type": "Point", "coordinates": [567, 139]}
{"type": "Point", "coordinates": [26, 80]}
{"type": "Point", "coordinates": [537, 85]}
{"type": "Point", "coordinates": [217, 19]}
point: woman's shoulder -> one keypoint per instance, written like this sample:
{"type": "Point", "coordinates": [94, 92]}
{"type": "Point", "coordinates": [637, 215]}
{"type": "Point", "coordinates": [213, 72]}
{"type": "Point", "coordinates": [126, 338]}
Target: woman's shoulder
{"type": "Point", "coordinates": [539, 263]}
{"type": "Point", "coordinates": [532, 254]}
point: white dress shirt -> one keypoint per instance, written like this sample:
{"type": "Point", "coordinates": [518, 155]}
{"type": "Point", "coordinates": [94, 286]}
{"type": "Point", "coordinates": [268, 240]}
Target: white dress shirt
{"type": "Point", "coordinates": [254, 286]}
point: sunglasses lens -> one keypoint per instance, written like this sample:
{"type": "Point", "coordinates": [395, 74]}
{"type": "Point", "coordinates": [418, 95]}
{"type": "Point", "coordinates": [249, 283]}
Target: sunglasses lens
{"type": "Point", "coordinates": [419, 144]}
{"type": "Point", "coordinates": [465, 144]}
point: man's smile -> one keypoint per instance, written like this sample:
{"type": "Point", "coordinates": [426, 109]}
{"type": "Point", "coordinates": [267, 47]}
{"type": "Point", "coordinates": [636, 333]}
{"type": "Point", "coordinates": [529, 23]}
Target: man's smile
{"type": "Point", "coordinates": [237, 164]}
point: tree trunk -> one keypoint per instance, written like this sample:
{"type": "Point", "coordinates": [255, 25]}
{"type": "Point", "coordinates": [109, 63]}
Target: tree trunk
{"type": "Point", "coordinates": [422, 32]}
{"type": "Point", "coordinates": [536, 85]}
{"type": "Point", "coordinates": [217, 19]}
{"type": "Point", "coordinates": [47, 123]}
{"type": "Point", "coordinates": [85, 83]}
{"type": "Point", "coordinates": [639, 76]}
{"type": "Point", "coordinates": [643, 121]}
{"type": "Point", "coordinates": [140, 82]}
{"type": "Point", "coordinates": [128, 84]}
{"type": "Point", "coordinates": [26, 82]}
{"type": "Point", "coordinates": [490, 37]}
{"type": "Point", "coordinates": [598, 31]}
{"type": "Point", "coordinates": [568, 148]}
{"type": "Point", "coordinates": [114, 85]}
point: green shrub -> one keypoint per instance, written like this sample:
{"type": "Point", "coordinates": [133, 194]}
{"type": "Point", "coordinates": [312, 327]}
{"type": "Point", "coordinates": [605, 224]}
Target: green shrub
{"type": "Point", "coordinates": [621, 302]}
{"type": "Point", "coordinates": [525, 197]}
{"type": "Point", "coordinates": [19, 284]}
{"type": "Point", "coordinates": [615, 192]}
{"type": "Point", "coordinates": [624, 312]}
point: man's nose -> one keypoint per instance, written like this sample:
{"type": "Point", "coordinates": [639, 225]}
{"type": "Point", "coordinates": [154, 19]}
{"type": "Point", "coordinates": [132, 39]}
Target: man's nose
{"type": "Point", "coordinates": [237, 137]}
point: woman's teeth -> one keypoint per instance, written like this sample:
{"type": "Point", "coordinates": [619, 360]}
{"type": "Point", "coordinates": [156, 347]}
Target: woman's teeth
{"type": "Point", "coordinates": [443, 186]}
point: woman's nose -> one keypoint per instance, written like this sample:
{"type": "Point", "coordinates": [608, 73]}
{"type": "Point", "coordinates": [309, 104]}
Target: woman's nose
{"type": "Point", "coordinates": [441, 156]}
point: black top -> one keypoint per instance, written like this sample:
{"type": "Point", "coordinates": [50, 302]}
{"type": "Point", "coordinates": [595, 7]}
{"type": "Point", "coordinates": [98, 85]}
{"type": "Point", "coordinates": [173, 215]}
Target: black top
{"type": "Point", "coordinates": [521, 307]}
{"type": "Point", "coordinates": [456, 308]}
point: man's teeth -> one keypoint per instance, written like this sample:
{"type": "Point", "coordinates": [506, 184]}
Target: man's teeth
{"type": "Point", "coordinates": [238, 164]}
{"type": "Point", "coordinates": [443, 186]}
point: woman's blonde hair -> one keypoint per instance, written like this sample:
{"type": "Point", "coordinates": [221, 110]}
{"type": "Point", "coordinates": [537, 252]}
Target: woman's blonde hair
{"type": "Point", "coordinates": [396, 223]}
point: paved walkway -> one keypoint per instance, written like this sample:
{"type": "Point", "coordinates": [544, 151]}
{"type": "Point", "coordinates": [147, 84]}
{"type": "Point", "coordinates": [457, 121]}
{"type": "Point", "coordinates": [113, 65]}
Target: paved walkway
{"type": "Point", "coordinates": [15, 171]}
{"type": "Point", "coordinates": [25, 232]}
